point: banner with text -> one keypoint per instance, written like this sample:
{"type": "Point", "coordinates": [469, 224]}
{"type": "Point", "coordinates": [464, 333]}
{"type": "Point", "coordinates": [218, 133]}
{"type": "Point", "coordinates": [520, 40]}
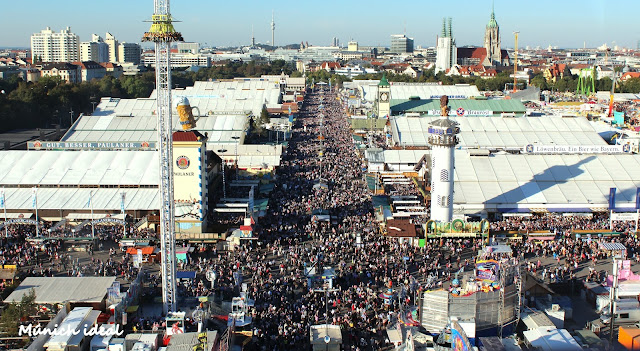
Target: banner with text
{"type": "Point", "coordinates": [66, 145]}
{"type": "Point", "coordinates": [616, 216]}
{"type": "Point", "coordinates": [460, 112]}
{"type": "Point", "coordinates": [577, 149]}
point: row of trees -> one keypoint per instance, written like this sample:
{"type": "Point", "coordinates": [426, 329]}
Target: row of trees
{"type": "Point", "coordinates": [568, 83]}
{"type": "Point", "coordinates": [50, 101]}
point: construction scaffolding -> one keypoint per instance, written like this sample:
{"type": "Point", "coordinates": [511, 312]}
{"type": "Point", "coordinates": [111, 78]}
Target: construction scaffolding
{"type": "Point", "coordinates": [492, 310]}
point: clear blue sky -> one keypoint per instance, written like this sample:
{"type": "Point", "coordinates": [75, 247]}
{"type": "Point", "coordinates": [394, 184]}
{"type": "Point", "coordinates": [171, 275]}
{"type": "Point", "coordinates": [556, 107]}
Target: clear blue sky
{"type": "Point", "coordinates": [563, 23]}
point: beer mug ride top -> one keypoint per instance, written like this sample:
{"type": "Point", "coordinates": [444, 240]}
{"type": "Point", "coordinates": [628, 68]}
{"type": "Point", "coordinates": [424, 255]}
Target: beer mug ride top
{"type": "Point", "coordinates": [185, 112]}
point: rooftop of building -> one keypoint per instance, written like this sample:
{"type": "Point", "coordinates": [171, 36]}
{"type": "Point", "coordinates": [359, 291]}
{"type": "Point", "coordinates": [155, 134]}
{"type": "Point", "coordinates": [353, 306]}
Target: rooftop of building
{"type": "Point", "coordinates": [433, 104]}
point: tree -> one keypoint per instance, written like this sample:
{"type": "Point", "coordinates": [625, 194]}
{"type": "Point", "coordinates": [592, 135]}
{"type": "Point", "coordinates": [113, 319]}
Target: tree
{"type": "Point", "coordinates": [264, 116]}
{"type": "Point", "coordinates": [539, 81]}
{"type": "Point", "coordinates": [16, 313]}
{"type": "Point", "coordinates": [631, 85]}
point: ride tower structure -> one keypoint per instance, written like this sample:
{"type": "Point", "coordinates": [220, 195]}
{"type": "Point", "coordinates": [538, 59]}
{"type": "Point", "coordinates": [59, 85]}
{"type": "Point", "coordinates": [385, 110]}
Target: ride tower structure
{"type": "Point", "coordinates": [443, 140]}
{"type": "Point", "coordinates": [162, 33]}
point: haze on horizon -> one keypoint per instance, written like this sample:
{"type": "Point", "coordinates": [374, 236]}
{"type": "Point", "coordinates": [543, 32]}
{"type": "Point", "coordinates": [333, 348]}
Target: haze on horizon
{"type": "Point", "coordinates": [565, 24]}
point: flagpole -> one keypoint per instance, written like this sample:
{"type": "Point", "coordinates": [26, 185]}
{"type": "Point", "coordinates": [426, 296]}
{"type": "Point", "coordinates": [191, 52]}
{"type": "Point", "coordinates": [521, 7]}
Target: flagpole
{"type": "Point", "coordinates": [124, 216]}
{"type": "Point", "coordinates": [93, 233]}
{"type": "Point", "coordinates": [6, 226]}
{"type": "Point", "coordinates": [35, 198]}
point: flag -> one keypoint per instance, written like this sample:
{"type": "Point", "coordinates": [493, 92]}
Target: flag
{"type": "Point", "coordinates": [122, 203]}
{"type": "Point", "coordinates": [637, 198]}
{"type": "Point", "coordinates": [2, 198]}
{"type": "Point", "coordinates": [89, 201]}
{"type": "Point", "coordinates": [251, 201]}
{"type": "Point", "coordinates": [612, 198]}
{"type": "Point", "coordinates": [34, 197]}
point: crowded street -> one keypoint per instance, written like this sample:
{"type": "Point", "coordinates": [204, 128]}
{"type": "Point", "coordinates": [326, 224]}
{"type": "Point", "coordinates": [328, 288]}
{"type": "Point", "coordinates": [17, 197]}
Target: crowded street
{"type": "Point", "coordinates": [320, 215]}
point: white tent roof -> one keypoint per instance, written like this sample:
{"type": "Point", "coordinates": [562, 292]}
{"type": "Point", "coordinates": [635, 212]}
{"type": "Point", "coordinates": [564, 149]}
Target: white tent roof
{"type": "Point", "coordinates": [74, 198]}
{"type": "Point", "coordinates": [551, 339]}
{"type": "Point", "coordinates": [134, 120]}
{"type": "Point", "coordinates": [501, 132]}
{"type": "Point", "coordinates": [77, 168]}
{"type": "Point", "coordinates": [224, 108]}
{"type": "Point", "coordinates": [404, 91]}
{"type": "Point", "coordinates": [619, 97]}
{"type": "Point", "coordinates": [50, 290]}
{"type": "Point", "coordinates": [553, 181]}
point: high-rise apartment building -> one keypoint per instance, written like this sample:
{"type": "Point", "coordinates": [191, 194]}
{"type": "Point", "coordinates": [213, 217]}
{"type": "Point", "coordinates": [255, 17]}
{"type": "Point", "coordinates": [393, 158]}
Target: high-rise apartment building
{"type": "Point", "coordinates": [113, 47]}
{"type": "Point", "coordinates": [129, 52]}
{"type": "Point", "coordinates": [95, 50]}
{"type": "Point", "coordinates": [48, 46]}
{"type": "Point", "coordinates": [400, 44]}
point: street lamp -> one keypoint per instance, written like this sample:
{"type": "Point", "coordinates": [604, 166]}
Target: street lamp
{"type": "Point", "coordinates": [235, 158]}
{"type": "Point", "coordinates": [224, 182]}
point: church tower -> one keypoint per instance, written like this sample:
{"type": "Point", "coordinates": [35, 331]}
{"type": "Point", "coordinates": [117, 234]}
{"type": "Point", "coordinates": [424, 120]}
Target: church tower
{"type": "Point", "coordinates": [384, 97]}
{"type": "Point", "coordinates": [492, 42]}
{"type": "Point", "coordinates": [446, 50]}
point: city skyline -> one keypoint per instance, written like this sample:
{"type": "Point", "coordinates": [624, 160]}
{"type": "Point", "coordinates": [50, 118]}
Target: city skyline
{"type": "Point", "coordinates": [589, 22]}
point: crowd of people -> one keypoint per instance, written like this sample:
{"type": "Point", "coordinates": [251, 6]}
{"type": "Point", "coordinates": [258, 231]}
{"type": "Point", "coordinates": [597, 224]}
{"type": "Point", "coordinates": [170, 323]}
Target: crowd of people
{"type": "Point", "coordinates": [320, 214]}
{"type": "Point", "coordinates": [553, 222]}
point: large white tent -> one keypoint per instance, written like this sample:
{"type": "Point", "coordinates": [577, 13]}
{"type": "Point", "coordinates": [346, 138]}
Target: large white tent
{"type": "Point", "coordinates": [505, 182]}
{"type": "Point", "coordinates": [65, 180]}
{"type": "Point", "coordinates": [500, 132]}
{"type": "Point", "coordinates": [223, 108]}
{"type": "Point", "coordinates": [405, 91]}
{"type": "Point", "coordinates": [556, 183]}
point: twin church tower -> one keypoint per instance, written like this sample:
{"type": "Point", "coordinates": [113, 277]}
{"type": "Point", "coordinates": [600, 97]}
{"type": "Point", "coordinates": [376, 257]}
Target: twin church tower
{"type": "Point", "coordinates": [448, 54]}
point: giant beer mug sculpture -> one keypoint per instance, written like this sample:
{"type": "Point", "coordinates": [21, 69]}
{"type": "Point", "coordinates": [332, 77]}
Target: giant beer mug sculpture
{"type": "Point", "coordinates": [185, 112]}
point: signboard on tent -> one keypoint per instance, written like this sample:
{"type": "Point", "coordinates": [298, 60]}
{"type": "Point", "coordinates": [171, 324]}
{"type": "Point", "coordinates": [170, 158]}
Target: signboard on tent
{"type": "Point", "coordinates": [576, 149]}
{"type": "Point", "coordinates": [63, 145]}
{"type": "Point", "coordinates": [487, 270]}
{"type": "Point", "coordinates": [624, 216]}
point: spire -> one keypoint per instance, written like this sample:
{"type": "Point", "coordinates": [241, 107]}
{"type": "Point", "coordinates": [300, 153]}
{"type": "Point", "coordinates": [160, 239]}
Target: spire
{"type": "Point", "coordinates": [384, 82]}
{"type": "Point", "coordinates": [492, 22]}
{"type": "Point", "coordinates": [444, 27]}
{"type": "Point", "coordinates": [450, 34]}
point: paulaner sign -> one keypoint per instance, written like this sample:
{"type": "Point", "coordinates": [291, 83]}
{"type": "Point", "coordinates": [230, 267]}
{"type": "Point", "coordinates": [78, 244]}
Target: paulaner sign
{"type": "Point", "coordinates": [577, 149]}
{"type": "Point", "coordinates": [65, 145]}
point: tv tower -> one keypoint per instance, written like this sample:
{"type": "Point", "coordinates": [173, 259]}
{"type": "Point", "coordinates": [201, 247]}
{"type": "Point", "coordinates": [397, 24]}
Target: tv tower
{"type": "Point", "coordinates": [443, 139]}
{"type": "Point", "coordinates": [163, 34]}
{"type": "Point", "coordinates": [253, 38]}
{"type": "Point", "coordinates": [273, 31]}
